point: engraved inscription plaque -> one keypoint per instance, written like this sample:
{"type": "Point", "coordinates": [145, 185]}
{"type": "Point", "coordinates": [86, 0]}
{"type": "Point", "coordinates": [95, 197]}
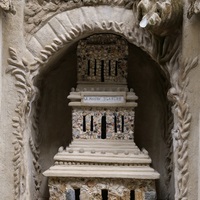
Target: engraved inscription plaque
{"type": "Point", "coordinates": [103, 99]}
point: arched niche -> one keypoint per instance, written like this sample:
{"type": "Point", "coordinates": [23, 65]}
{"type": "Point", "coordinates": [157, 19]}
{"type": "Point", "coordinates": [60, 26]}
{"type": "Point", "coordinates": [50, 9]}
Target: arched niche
{"type": "Point", "coordinates": [154, 119]}
{"type": "Point", "coordinates": [152, 114]}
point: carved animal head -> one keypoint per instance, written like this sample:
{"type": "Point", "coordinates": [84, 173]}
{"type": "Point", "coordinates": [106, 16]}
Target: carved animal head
{"type": "Point", "coordinates": [156, 15]}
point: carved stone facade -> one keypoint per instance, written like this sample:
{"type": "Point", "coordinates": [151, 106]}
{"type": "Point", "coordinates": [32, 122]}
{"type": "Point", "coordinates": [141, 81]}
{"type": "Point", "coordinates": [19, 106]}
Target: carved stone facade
{"type": "Point", "coordinates": [37, 38]}
{"type": "Point", "coordinates": [92, 189]}
{"type": "Point", "coordinates": [97, 113]}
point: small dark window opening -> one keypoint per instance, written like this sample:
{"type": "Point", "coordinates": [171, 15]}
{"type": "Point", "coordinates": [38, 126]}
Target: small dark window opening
{"type": "Point", "coordinates": [116, 68]}
{"type": "Point", "coordinates": [84, 123]}
{"type": "Point", "coordinates": [109, 68]}
{"type": "Point", "coordinates": [91, 124]}
{"type": "Point", "coordinates": [102, 71]}
{"type": "Point", "coordinates": [132, 194]}
{"type": "Point", "coordinates": [104, 194]}
{"type": "Point", "coordinates": [103, 127]}
{"type": "Point", "coordinates": [77, 194]}
{"type": "Point", "coordinates": [95, 67]}
{"type": "Point", "coordinates": [115, 123]}
{"type": "Point", "coordinates": [88, 69]}
{"type": "Point", "coordinates": [122, 123]}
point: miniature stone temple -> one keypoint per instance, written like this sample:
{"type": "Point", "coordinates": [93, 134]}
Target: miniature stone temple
{"type": "Point", "coordinates": [102, 161]}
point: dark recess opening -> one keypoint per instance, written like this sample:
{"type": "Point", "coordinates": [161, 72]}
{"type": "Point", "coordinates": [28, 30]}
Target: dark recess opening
{"type": "Point", "coordinates": [103, 127]}
{"type": "Point", "coordinates": [91, 124]}
{"type": "Point", "coordinates": [88, 68]}
{"type": "Point", "coordinates": [122, 123]}
{"type": "Point", "coordinates": [116, 66]}
{"type": "Point", "coordinates": [104, 194]}
{"type": "Point", "coordinates": [115, 123]}
{"type": "Point", "coordinates": [109, 68]}
{"type": "Point", "coordinates": [84, 123]}
{"type": "Point", "coordinates": [77, 194]}
{"type": "Point", "coordinates": [95, 67]}
{"type": "Point", "coordinates": [102, 71]}
{"type": "Point", "coordinates": [132, 194]}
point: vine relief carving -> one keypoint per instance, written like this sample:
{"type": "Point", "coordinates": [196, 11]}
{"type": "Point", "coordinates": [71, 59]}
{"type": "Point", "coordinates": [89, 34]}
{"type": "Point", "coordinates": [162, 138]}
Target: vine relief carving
{"type": "Point", "coordinates": [23, 73]}
{"type": "Point", "coordinates": [181, 130]}
{"type": "Point", "coordinates": [163, 19]}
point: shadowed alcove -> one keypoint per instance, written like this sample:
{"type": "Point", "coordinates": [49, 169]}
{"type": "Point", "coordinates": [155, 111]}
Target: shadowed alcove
{"type": "Point", "coordinates": [151, 119]}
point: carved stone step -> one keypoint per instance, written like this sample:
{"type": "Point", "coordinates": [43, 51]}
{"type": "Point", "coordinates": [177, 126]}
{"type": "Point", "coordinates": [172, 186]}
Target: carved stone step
{"type": "Point", "coordinates": [102, 172]}
{"type": "Point", "coordinates": [115, 147]}
{"type": "Point", "coordinates": [103, 141]}
{"type": "Point", "coordinates": [140, 159]}
{"type": "Point", "coordinates": [99, 145]}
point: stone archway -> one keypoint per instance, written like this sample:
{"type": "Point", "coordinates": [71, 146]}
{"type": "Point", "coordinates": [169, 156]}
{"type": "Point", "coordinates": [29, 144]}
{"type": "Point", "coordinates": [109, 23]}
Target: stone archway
{"type": "Point", "coordinates": [72, 25]}
{"type": "Point", "coordinates": [44, 50]}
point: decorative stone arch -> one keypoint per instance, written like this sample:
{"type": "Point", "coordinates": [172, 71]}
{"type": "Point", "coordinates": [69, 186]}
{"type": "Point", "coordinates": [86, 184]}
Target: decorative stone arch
{"type": "Point", "coordinates": [74, 24]}
{"type": "Point", "coordinates": [59, 32]}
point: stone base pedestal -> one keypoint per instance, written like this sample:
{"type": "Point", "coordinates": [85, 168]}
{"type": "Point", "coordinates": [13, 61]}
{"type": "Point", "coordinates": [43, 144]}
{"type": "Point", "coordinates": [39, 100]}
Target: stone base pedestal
{"type": "Point", "coordinates": [100, 188]}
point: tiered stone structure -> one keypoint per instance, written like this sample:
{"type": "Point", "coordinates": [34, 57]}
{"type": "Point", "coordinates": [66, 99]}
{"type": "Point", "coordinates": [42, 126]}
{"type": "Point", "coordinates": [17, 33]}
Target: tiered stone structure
{"type": "Point", "coordinates": [102, 161]}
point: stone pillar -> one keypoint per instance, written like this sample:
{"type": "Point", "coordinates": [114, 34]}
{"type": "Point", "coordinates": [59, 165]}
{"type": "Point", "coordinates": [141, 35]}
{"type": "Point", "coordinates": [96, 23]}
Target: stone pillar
{"type": "Point", "coordinates": [139, 194]}
{"type": "Point", "coordinates": [150, 195]}
{"type": "Point", "coordinates": [70, 193]}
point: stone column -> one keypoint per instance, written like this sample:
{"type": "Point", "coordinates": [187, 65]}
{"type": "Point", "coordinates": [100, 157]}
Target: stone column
{"type": "Point", "coordinates": [139, 194]}
{"type": "Point", "coordinates": [70, 193]}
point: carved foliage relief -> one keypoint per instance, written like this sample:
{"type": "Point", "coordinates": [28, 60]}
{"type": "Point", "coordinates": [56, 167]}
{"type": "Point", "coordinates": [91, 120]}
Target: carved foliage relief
{"type": "Point", "coordinates": [159, 18]}
{"type": "Point", "coordinates": [23, 74]}
{"type": "Point", "coordinates": [183, 121]}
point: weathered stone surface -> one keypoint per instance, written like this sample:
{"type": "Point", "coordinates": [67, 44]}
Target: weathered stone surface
{"type": "Point", "coordinates": [150, 195]}
{"type": "Point", "coordinates": [139, 194]}
{"type": "Point", "coordinates": [91, 188]}
{"type": "Point", "coordinates": [70, 194]}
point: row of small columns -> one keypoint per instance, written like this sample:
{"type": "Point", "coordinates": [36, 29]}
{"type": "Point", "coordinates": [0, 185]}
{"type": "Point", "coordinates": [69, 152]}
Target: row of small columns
{"type": "Point", "coordinates": [103, 121]}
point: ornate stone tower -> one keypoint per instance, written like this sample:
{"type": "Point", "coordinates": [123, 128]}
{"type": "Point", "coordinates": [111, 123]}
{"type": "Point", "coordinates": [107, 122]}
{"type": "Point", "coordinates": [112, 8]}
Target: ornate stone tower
{"type": "Point", "coordinates": [102, 161]}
